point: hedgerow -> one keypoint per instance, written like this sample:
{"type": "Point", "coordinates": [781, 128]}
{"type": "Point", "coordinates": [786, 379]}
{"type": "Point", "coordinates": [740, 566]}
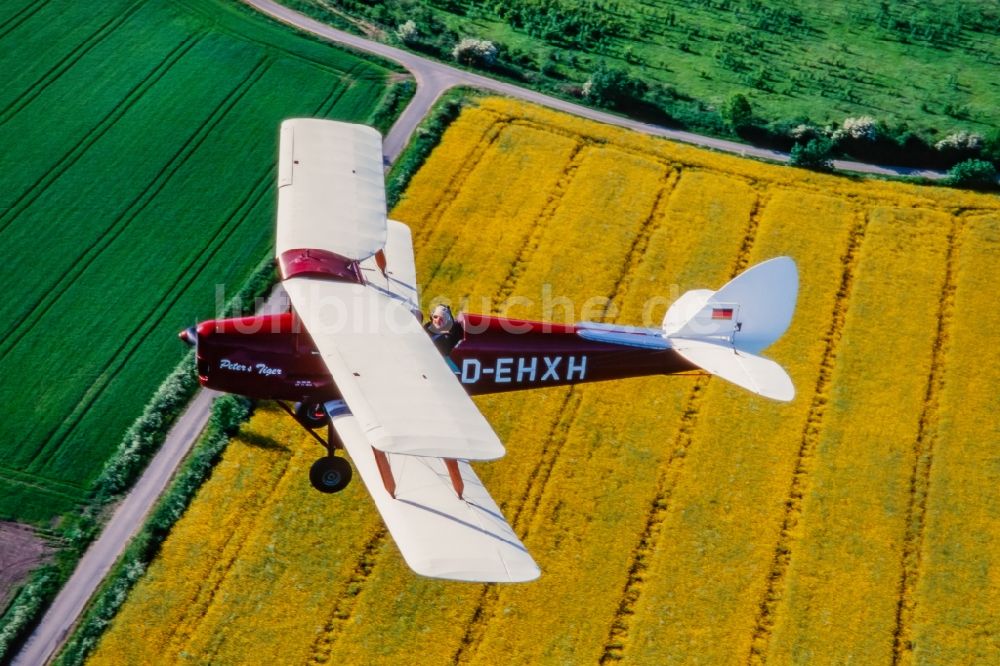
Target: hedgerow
{"type": "Point", "coordinates": [228, 414]}
{"type": "Point", "coordinates": [690, 57]}
{"type": "Point", "coordinates": [139, 444]}
{"type": "Point", "coordinates": [145, 436]}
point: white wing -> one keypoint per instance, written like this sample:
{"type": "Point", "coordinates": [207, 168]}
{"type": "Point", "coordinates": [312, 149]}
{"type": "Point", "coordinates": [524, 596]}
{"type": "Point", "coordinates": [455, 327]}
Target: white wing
{"type": "Point", "coordinates": [438, 533]}
{"type": "Point", "coordinates": [408, 409]}
{"type": "Point", "coordinates": [331, 189]}
{"type": "Point", "coordinates": [395, 381]}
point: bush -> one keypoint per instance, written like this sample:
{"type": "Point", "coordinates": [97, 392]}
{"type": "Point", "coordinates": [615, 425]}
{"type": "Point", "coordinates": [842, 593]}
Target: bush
{"type": "Point", "coordinates": [228, 413]}
{"type": "Point", "coordinates": [816, 154]}
{"type": "Point", "coordinates": [960, 141]}
{"type": "Point", "coordinates": [613, 87]}
{"type": "Point", "coordinates": [144, 436]}
{"type": "Point", "coordinates": [25, 607]}
{"type": "Point", "coordinates": [392, 105]}
{"type": "Point", "coordinates": [973, 174]}
{"type": "Point", "coordinates": [475, 52]}
{"type": "Point", "coordinates": [407, 32]}
{"type": "Point", "coordinates": [864, 128]}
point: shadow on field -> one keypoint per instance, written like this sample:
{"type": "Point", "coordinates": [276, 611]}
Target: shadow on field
{"type": "Point", "coordinates": [259, 441]}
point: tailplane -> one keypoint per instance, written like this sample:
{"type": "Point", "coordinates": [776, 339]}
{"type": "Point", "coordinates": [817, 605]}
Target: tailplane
{"type": "Point", "coordinates": [723, 331]}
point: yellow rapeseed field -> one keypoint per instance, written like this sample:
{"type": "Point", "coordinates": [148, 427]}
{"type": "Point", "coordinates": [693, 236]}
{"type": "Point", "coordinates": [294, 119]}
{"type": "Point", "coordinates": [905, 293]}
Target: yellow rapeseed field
{"type": "Point", "coordinates": [676, 520]}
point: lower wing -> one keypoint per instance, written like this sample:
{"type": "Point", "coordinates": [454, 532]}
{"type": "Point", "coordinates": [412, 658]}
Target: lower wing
{"type": "Point", "coordinates": [441, 531]}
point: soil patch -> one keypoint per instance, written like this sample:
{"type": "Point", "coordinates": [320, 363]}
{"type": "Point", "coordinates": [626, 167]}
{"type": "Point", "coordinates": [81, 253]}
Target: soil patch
{"type": "Point", "coordinates": [21, 551]}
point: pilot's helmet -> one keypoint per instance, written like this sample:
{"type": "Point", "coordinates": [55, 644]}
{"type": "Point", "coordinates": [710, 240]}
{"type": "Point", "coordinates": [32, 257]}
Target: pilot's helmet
{"type": "Point", "coordinates": [441, 319]}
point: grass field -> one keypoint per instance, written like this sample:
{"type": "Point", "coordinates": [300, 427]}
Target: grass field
{"type": "Point", "coordinates": [139, 139]}
{"type": "Point", "coordinates": [928, 65]}
{"type": "Point", "coordinates": [676, 520]}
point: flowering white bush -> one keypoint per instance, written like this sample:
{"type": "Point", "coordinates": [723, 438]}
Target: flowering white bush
{"type": "Point", "coordinates": [407, 31]}
{"type": "Point", "coordinates": [805, 131]}
{"type": "Point", "coordinates": [475, 51]}
{"type": "Point", "coordinates": [960, 141]}
{"type": "Point", "coordinates": [864, 127]}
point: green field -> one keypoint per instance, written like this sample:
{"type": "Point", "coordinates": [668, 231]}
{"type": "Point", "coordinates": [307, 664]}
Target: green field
{"type": "Point", "coordinates": [138, 142]}
{"type": "Point", "coordinates": [928, 64]}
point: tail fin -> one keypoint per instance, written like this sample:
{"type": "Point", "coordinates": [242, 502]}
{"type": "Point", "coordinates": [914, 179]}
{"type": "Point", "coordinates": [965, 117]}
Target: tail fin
{"type": "Point", "coordinates": [722, 331]}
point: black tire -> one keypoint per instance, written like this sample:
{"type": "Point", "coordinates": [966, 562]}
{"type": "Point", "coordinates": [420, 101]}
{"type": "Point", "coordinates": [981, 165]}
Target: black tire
{"type": "Point", "coordinates": [330, 474]}
{"type": "Point", "coordinates": [311, 414]}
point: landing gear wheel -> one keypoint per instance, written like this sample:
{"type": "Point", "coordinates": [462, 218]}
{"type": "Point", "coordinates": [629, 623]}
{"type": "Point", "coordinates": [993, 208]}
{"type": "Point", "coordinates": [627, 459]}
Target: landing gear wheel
{"type": "Point", "coordinates": [311, 414]}
{"type": "Point", "coordinates": [330, 474]}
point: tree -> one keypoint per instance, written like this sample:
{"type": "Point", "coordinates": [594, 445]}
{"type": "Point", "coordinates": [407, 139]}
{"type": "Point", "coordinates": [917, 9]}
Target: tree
{"type": "Point", "coordinates": [973, 174]}
{"type": "Point", "coordinates": [611, 86]}
{"type": "Point", "coordinates": [817, 154]}
{"type": "Point", "coordinates": [738, 112]}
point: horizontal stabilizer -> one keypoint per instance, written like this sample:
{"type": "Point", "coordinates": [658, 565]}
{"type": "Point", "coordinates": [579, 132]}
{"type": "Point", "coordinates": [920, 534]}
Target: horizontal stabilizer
{"type": "Point", "coordinates": [439, 534]}
{"type": "Point", "coordinates": [754, 373]}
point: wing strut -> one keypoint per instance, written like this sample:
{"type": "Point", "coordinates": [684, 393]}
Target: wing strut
{"type": "Point", "coordinates": [456, 476]}
{"type": "Point", "coordinates": [389, 481]}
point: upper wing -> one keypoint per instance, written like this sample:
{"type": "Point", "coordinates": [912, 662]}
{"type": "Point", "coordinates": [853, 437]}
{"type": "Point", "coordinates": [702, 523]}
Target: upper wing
{"type": "Point", "coordinates": [439, 533]}
{"type": "Point", "coordinates": [406, 398]}
{"type": "Point", "coordinates": [331, 189]}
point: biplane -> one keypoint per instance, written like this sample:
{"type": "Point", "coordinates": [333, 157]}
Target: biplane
{"type": "Point", "coordinates": [352, 354]}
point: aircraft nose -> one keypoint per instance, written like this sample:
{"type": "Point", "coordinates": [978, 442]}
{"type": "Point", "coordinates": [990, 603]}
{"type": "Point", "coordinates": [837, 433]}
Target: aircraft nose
{"type": "Point", "coordinates": [189, 335]}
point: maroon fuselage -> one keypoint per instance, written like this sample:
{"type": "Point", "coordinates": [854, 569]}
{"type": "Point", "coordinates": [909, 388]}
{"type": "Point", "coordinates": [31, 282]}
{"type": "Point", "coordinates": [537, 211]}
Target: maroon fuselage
{"type": "Point", "coordinates": [273, 357]}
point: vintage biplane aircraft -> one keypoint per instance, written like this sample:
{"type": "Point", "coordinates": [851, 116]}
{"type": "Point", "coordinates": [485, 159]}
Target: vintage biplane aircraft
{"type": "Point", "coordinates": [353, 354]}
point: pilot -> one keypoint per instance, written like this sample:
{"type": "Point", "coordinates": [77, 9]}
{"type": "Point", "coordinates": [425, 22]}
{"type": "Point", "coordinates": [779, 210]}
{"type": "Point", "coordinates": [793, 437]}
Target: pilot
{"type": "Point", "coordinates": [444, 331]}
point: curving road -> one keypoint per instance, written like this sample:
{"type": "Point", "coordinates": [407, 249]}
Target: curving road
{"type": "Point", "coordinates": [432, 78]}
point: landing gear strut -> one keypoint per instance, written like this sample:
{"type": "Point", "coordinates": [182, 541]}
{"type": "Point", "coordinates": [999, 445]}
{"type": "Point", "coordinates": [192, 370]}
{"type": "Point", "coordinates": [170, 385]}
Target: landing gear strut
{"type": "Point", "coordinates": [329, 474]}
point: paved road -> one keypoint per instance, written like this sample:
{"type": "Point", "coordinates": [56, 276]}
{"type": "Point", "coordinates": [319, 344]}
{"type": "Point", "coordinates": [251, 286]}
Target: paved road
{"type": "Point", "coordinates": [433, 78]}
{"type": "Point", "coordinates": [124, 523]}
{"type": "Point", "coordinates": [97, 561]}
